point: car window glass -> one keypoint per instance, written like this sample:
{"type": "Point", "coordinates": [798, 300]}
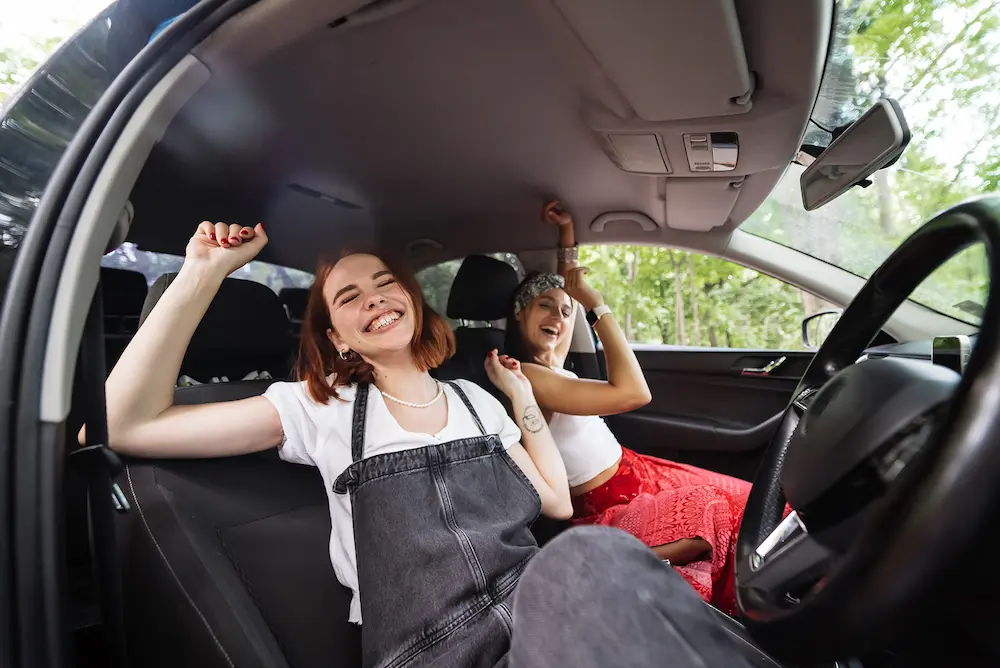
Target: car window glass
{"type": "Point", "coordinates": [153, 265]}
{"type": "Point", "coordinates": [44, 99]}
{"type": "Point", "coordinates": [675, 297]}
{"type": "Point", "coordinates": [436, 280]}
{"type": "Point", "coordinates": [38, 124]}
{"type": "Point", "coordinates": [941, 62]}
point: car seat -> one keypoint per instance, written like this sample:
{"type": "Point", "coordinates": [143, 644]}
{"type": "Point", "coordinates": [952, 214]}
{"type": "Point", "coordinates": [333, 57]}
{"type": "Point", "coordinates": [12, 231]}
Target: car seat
{"type": "Point", "coordinates": [482, 291]}
{"type": "Point", "coordinates": [226, 561]}
{"type": "Point", "coordinates": [123, 293]}
{"type": "Point", "coordinates": [245, 330]}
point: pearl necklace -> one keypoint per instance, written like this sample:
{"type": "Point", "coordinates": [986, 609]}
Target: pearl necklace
{"type": "Point", "coordinates": [440, 392]}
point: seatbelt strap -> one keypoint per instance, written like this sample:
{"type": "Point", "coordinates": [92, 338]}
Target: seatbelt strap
{"type": "Point", "coordinates": [100, 464]}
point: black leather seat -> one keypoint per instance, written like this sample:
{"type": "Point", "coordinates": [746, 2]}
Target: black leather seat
{"type": "Point", "coordinates": [123, 294]}
{"type": "Point", "coordinates": [295, 301]}
{"type": "Point", "coordinates": [226, 561]}
{"type": "Point", "coordinates": [482, 291]}
{"type": "Point", "coordinates": [245, 330]}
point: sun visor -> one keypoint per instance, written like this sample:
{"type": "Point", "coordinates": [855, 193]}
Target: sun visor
{"type": "Point", "coordinates": [699, 204]}
{"type": "Point", "coordinates": [671, 60]}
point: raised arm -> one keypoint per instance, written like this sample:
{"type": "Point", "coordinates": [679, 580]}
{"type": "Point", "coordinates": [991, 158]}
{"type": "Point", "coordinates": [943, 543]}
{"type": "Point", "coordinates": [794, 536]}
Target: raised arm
{"type": "Point", "coordinates": [626, 387]}
{"type": "Point", "coordinates": [536, 455]}
{"type": "Point", "coordinates": [142, 420]}
{"type": "Point", "coordinates": [566, 257]}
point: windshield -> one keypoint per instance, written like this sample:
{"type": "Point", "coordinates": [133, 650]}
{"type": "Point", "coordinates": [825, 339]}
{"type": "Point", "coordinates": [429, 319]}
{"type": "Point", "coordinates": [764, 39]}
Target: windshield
{"type": "Point", "coordinates": [941, 61]}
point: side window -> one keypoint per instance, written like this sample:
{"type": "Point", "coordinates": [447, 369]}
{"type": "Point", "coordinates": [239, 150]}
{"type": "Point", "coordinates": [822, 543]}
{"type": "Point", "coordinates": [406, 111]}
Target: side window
{"type": "Point", "coordinates": [39, 122]}
{"type": "Point", "coordinates": [675, 297]}
{"type": "Point", "coordinates": [153, 265]}
{"type": "Point", "coordinates": [42, 111]}
{"type": "Point", "coordinates": [436, 280]}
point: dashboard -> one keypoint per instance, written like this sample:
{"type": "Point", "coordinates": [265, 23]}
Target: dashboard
{"type": "Point", "coordinates": [949, 351]}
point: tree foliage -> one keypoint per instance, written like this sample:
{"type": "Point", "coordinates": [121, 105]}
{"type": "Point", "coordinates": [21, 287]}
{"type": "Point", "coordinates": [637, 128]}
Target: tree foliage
{"type": "Point", "coordinates": [941, 60]}
{"type": "Point", "coordinates": [668, 296]}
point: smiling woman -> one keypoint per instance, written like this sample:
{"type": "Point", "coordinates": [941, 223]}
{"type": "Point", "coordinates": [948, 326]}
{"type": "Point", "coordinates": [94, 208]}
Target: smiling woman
{"type": "Point", "coordinates": [340, 347]}
{"type": "Point", "coordinates": [381, 450]}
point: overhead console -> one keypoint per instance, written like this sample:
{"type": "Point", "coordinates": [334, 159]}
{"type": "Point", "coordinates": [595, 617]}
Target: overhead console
{"type": "Point", "coordinates": [658, 54]}
{"type": "Point", "coordinates": [709, 97]}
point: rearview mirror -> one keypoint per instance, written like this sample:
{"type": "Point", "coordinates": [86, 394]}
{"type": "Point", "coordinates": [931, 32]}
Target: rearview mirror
{"type": "Point", "coordinates": [818, 326]}
{"type": "Point", "coordinates": [874, 141]}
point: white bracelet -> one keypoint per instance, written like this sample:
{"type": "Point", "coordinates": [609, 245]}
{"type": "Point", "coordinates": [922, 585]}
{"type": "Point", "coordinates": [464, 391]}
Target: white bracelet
{"type": "Point", "coordinates": [595, 314]}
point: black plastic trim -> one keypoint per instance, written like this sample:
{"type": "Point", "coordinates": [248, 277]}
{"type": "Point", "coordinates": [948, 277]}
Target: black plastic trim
{"type": "Point", "coordinates": [708, 435]}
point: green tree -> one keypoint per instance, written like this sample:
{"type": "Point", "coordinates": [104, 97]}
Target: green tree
{"type": "Point", "coordinates": [17, 64]}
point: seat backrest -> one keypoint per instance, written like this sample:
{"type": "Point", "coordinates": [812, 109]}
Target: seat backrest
{"type": "Point", "coordinates": [226, 561]}
{"type": "Point", "coordinates": [482, 291]}
{"type": "Point", "coordinates": [245, 329]}
{"type": "Point", "coordinates": [123, 294]}
{"type": "Point", "coordinates": [295, 301]}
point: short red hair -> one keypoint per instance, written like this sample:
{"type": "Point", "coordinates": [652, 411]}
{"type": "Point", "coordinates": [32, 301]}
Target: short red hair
{"type": "Point", "coordinates": [433, 341]}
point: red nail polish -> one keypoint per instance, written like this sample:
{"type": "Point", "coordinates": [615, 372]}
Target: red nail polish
{"type": "Point", "coordinates": [211, 235]}
{"type": "Point", "coordinates": [243, 233]}
{"type": "Point", "coordinates": [233, 240]}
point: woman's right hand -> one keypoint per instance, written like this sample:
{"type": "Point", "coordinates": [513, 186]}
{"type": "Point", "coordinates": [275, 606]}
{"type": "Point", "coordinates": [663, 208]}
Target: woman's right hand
{"type": "Point", "coordinates": [224, 248]}
{"type": "Point", "coordinates": [553, 213]}
{"type": "Point", "coordinates": [506, 374]}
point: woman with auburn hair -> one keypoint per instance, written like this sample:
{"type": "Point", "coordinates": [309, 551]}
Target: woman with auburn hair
{"type": "Point", "coordinates": [432, 487]}
{"type": "Point", "coordinates": [689, 516]}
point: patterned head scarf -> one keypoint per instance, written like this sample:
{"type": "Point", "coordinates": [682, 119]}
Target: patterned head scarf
{"type": "Point", "coordinates": [534, 286]}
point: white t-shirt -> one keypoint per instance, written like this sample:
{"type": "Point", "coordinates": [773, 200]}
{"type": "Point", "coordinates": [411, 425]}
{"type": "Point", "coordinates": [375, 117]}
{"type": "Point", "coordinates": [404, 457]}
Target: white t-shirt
{"type": "Point", "coordinates": [320, 435]}
{"type": "Point", "coordinates": [585, 442]}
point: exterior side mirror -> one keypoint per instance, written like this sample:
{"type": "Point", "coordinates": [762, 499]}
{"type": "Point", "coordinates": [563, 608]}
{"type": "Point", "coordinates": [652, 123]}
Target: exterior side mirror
{"type": "Point", "coordinates": [816, 327]}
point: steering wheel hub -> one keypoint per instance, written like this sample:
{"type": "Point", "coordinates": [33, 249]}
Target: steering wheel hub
{"type": "Point", "coordinates": [854, 417]}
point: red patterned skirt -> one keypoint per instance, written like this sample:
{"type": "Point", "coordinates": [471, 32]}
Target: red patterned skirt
{"type": "Point", "coordinates": [659, 502]}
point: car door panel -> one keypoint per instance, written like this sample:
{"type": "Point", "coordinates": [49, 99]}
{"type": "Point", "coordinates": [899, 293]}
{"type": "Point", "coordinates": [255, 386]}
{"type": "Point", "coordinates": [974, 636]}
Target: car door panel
{"type": "Point", "coordinates": [710, 407]}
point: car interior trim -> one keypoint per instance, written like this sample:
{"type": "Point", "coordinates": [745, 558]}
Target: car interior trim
{"type": "Point", "coordinates": [97, 222]}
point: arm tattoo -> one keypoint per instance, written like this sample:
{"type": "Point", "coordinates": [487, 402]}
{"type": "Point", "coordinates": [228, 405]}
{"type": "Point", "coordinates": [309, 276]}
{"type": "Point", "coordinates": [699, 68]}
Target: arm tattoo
{"type": "Point", "coordinates": [532, 420]}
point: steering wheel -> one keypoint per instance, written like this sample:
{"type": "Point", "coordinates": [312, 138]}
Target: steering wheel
{"type": "Point", "coordinates": [891, 467]}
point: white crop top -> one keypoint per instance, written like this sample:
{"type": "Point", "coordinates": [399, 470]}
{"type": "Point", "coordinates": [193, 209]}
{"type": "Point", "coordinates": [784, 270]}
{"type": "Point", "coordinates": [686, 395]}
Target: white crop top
{"type": "Point", "coordinates": [585, 442]}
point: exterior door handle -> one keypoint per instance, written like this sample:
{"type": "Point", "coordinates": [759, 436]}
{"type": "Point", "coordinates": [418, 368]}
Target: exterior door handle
{"type": "Point", "coordinates": [764, 370]}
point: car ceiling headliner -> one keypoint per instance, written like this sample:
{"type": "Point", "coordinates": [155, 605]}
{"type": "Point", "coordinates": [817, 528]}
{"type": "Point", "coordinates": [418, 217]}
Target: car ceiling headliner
{"type": "Point", "coordinates": [452, 120]}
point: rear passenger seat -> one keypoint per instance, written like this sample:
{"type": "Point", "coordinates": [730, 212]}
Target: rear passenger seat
{"type": "Point", "coordinates": [295, 300]}
{"type": "Point", "coordinates": [123, 293]}
{"type": "Point", "coordinates": [227, 560]}
{"type": "Point", "coordinates": [245, 330]}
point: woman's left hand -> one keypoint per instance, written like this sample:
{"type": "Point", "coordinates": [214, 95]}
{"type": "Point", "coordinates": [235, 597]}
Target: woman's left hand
{"type": "Point", "coordinates": [505, 372]}
{"type": "Point", "coordinates": [579, 290]}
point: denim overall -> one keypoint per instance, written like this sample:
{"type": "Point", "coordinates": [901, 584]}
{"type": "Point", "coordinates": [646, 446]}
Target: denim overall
{"type": "Point", "coordinates": [441, 535]}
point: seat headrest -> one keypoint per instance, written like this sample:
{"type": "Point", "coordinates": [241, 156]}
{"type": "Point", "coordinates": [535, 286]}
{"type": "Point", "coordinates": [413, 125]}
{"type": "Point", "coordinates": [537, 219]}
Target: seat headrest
{"type": "Point", "coordinates": [123, 292]}
{"type": "Point", "coordinates": [482, 289]}
{"type": "Point", "coordinates": [295, 300]}
{"type": "Point", "coordinates": [245, 329]}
